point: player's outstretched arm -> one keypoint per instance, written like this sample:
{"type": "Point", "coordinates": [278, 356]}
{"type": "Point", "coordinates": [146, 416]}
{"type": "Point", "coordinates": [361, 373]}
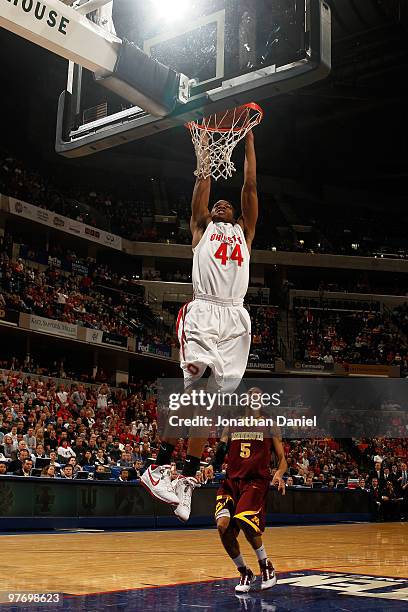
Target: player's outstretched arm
{"type": "Point", "coordinates": [249, 194]}
{"type": "Point", "coordinates": [200, 215]}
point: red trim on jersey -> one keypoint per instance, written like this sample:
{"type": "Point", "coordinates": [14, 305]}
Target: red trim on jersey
{"type": "Point", "coordinates": [180, 312]}
{"type": "Point", "coordinates": [181, 319]}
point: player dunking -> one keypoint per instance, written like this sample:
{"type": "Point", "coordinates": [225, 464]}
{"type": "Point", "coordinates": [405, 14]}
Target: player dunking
{"type": "Point", "coordinates": [241, 498]}
{"type": "Point", "coordinates": [214, 329]}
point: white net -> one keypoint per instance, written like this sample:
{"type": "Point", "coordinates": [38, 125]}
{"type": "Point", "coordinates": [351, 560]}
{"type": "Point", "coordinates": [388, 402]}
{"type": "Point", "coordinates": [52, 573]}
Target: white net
{"type": "Point", "coordinates": [215, 138]}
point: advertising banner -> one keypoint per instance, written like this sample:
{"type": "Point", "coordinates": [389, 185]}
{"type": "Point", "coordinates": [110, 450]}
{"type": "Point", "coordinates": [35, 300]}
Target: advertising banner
{"type": "Point", "coordinates": [258, 365]}
{"type": "Point", "coordinates": [46, 217]}
{"type": "Point", "coordinates": [94, 336]}
{"type": "Point", "coordinates": [78, 268]}
{"type": "Point", "coordinates": [97, 336]}
{"type": "Point", "coordinates": [162, 350]}
{"type": "Point", "coordinates": [50, 326]}
{"type": "Point", "coordinates": [114, 340]}
{"type": "Point", "coordinates": [362, 369]}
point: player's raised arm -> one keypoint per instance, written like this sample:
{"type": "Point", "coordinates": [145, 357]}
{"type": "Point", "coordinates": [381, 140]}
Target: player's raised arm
{"type": "Point", "coordinates": [249, 194]}
{"type": "Point", "coordinates": [200, 215]}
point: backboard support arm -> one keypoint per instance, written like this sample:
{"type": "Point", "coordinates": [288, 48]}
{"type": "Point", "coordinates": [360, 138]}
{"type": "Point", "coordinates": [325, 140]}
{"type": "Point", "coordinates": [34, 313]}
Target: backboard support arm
{"type": "Point", "coordinates": [63, 30]}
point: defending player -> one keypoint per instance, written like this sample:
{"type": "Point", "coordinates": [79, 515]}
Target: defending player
{"type": "Point", "coordinates": [214, 329]}
{"type": "Point", "coordinates": [241, 498]}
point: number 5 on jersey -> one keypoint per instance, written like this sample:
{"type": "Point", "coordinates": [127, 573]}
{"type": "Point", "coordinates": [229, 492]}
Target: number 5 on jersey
{"type": "Point", "coordinates": [222, 254]}
{"type": "Point", "coordinates": [245, 450]}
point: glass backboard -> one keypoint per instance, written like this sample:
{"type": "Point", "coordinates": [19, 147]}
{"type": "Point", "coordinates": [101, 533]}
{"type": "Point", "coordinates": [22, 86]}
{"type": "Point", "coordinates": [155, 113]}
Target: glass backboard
{"type": "Point", "coordinates": [234, 51]}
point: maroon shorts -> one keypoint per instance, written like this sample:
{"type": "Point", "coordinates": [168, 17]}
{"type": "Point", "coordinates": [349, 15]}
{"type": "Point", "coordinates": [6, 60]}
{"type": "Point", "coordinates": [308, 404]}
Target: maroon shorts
{"type": "Point", "coordinates": [245, 500]}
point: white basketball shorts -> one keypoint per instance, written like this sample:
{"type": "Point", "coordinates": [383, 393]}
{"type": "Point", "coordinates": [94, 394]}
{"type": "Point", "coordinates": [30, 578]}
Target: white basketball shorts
{"type": "Point", "coordinates": [216, 334]}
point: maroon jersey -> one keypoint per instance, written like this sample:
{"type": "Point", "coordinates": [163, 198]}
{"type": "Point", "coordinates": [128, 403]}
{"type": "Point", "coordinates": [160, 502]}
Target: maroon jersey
{"type": "Point", "coordinates": [249, 455]}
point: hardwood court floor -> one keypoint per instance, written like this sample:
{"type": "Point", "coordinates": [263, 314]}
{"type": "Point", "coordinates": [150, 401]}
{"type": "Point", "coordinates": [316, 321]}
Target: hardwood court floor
{"type": "Point", "coordinates": [81, 563]}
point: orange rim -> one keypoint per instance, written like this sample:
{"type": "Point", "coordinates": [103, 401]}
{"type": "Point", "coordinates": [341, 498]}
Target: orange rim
{"type": "Point", "coordinates": [250, 105]}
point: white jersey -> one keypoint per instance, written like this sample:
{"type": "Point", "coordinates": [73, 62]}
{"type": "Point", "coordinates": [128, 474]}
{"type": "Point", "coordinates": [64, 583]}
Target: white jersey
{"type": "Point", "coordinates": [221, 262]}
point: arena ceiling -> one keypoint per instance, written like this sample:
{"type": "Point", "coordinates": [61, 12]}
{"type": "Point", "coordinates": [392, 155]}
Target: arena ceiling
{"type": "Point", "coordinates": [350, 130]}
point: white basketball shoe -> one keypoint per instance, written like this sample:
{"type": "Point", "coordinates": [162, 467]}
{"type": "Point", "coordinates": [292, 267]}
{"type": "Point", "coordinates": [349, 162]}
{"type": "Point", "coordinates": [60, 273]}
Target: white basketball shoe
{"type": "Point", "coordinates": [157, 480]}
{"type": "Point", "coordinates": [183, 488]}
{"type": "Point", "coordinates": [246, 581]}
{"type": "Point", "coordinates": [268, 575]}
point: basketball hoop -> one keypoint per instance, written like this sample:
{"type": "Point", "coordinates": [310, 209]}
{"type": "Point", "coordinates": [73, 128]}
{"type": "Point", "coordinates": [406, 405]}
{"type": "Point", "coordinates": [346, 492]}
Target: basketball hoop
{"type": "Point", "coordinates": [215, 138]}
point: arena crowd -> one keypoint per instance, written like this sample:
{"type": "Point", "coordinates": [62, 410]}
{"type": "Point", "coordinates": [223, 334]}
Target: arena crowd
{"type": "Point", "coordinates": [93, 431]}
{"type": "Point", "coordinates": [329, 336]}
{"type": "Point", "coordinates": [97, 299]}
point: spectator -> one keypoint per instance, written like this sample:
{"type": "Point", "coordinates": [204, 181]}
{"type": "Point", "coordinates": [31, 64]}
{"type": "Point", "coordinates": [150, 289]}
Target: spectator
{"type": "Point", "coordinates": [100, 473]}
{"type": "Point", "coordinates": [75, 465]}
{"type": "Point", "coordinates": [125, 460]}
{"type": "Point", "coordinates": [30, 439]}
{"type": "Point", "coordinates": [124, 475]}
{"type": "Point", "coordinates": [89, 419]}
{"type": "Point", "coordinates": [376, 497]}
{"type": "Point", "coordinates": [100, 458]}
{"type": "Point", "coordinates": [67, 472]}
{"type": "Point", "coordinates": [17, 464]}
{"type": "Point", "coordinates": [361, 485]}
{"type": "Point", "coordinates": [39, 452]}
{"type": "Point", "coordinates": [377, 472]}
{"type": "Point", "coordinates": [390, 502]}
{"type": "Point", "coordinates": [48, 471]}
{"type": "Point", "coordinates": [65, 452]}
{"type": "Point", "coordinates": [137, 470]}
{"type": "Point", "coordinates": [51, 442]}
{"type": "Point", "coordinates": [403, 490]}
{"type": "Point", "coordinates": [62, 397]}
{"type": "Point", "coordinates": [394, 476]}
{"type": "Point", "coordinates": [115, 452]}
{"type": "Point", "coordinates": [9, 446]}
{"type": "Point", "coordinates": [26, 468]}
{"type": "Point", "coordinates": [87, 458]}
{"type": "Point", "coordinates": [387, 477]}
{"type": "Point", "coordinates": [53, 460]}
{"type": "Point", "coordinates": [79, 448]}
{"type": "Point", "coordinates": [78, 397]}
{"type": "Point", "coordinates": [102, 398]}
